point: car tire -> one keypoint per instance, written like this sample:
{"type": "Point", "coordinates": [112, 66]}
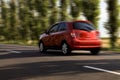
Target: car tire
{"type": "Point", "coordinates": [65, 49]}
{"type": "Point", "coordinates": [95, 51]}
{"type": "Point", "coordinates": [42, 48]}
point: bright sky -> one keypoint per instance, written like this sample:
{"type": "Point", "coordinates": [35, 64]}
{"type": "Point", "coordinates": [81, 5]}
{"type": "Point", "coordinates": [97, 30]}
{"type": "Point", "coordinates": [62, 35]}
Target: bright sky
{"type": "Point", "coordinates": [103, 19]}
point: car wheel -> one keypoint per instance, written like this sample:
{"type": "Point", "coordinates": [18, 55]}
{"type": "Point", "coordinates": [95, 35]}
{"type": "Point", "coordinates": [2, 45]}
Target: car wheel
{"type": "Point", "coordinates": [95, 51]}
{"type": "Point", "coordinates": [65, 49]}
{"type": "Point", "coordinates": [42, 47]}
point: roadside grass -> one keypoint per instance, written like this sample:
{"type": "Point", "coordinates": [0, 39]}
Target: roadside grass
{"type": "Point", "coordinates": [117, 49]}
{"type": "Point", "coordinates": [105, 43]}
{"type": "Point", "coordinates": [21, 42]}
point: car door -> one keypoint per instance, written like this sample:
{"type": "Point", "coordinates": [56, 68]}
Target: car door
{"type": "Point", "coordinates": [51, 35]}
{"type": "Point", "coordinates": [60, 34]}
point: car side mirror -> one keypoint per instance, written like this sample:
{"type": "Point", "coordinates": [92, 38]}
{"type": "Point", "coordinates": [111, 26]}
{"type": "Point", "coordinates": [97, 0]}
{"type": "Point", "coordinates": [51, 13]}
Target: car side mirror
{"type": "Point", "coordinates": [46, 32]}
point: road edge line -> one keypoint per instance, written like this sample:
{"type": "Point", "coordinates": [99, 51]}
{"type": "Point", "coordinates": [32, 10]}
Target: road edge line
{"type": "Point", "coordinates": [12, 51]}
{"type": "Point", "coordinates": [104, 70]}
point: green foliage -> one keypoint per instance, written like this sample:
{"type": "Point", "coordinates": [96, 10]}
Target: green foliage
{"type": "Point", "coordinates": [75, 8]}
{"type": "Point", "coordinates": [112, 24]}
{"type": "Point", "coordinates": [42, 9]}
{"type": "Point", "coordinates": [13, 21]}
{"type": "Point", "coordinates": [90, 10]}
{"type": "Point", "coordinates": [24, 17]}
{"type": "Point", "coordinates": [5, 19]}
{"type": "Point", "coordinates": [31, 4]}
{"type": "Point", "coordinates": [53, 18]}
{"type": "Point", "coordinates": [64, 10]}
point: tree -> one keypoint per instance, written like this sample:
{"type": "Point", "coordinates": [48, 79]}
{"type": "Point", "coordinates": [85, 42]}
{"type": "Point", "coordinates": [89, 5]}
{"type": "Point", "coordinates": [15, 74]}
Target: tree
{"type": "Point", "coordinates": [24, 16]}
{"type": "Point", "coordinates": [32, 22]}
{"type": "Point", "coordinates": [75, 8]}
{"type": "Point", "coordinates": [42, 9]}
{"type": "Point", "coordinates": [31, 4]}
{"type": "Point", "coordinates": [112, 24]}
{"type": "Point", "coordinates": [64, 10]}
{"type": "Point", "coordinates": [90, 10]}
{"type": "Point", "coordinates": [53, 12]}
{"type": "Point", "coordinates": [2, 5]}
{"type": "Point", "coordinates": [14, 32]}
{"type": "Point", "coordinates": [5, 20]}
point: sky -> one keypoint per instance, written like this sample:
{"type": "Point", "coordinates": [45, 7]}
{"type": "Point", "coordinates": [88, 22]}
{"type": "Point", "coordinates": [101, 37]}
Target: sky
{"type": "Point", "coordinates": [103, 18]}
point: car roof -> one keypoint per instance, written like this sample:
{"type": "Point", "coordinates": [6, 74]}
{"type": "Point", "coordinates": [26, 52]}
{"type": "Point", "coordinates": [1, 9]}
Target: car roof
{"type": "Point", "coordinates": [72, 21]}
{"type": "Point", "coordinates": [82, 21]}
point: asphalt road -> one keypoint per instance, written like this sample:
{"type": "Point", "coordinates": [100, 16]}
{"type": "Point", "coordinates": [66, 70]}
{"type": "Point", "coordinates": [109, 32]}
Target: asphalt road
{"type": "Point", "coordinates": [26, 63]}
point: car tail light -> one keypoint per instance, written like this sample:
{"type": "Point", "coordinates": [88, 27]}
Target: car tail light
{"type": "Point", "coordinates": [98, 34]}
{"type": "Point", "coordinates": [73, 35]}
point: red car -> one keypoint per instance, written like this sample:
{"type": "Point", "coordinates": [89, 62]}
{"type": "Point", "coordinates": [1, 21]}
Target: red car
{"type": "Point", "coordinates": [68, 36]}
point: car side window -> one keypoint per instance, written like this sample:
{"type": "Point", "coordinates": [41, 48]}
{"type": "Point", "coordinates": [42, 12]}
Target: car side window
{"type": "Point", "coordinates": [54, 28]}
{"type": "Point", "coordinates": [62, 27]}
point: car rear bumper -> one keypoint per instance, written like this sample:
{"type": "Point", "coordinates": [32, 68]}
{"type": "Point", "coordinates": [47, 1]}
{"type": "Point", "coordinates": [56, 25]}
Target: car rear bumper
{"type": "Point", "coordinates": [85, 44]}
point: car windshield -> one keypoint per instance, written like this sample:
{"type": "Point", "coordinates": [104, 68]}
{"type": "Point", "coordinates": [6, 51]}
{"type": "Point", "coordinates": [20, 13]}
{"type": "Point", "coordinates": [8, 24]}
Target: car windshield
{"type": "Point", "coordinates": [83, 26]}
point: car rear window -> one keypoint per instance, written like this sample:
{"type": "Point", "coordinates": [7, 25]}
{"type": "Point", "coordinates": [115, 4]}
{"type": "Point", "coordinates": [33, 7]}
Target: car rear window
{"type": "Point", "coordinates": [83, 26]}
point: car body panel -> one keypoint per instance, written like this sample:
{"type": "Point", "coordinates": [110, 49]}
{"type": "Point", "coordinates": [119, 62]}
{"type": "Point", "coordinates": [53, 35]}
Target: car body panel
{"type": "Point", "coordinates": [76, 39]}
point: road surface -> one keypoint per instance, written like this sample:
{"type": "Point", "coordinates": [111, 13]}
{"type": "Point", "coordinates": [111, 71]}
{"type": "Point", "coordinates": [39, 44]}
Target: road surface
{"type": "Point", "coordinates": [26, 63]}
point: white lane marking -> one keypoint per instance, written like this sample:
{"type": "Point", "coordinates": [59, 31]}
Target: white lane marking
{"type": "Point", "coordinates": [11, 51]}
{"type": "Point", "coordinates": [99, 69]}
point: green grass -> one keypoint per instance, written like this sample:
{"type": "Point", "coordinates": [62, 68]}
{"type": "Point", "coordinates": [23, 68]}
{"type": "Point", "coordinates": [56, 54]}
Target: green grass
{"type": "Point", "coordinates": [20, 42]}
{"type": "Point", "coordinates": [35, 43]}
{"type": "Point", "coordinates": [117, 49]}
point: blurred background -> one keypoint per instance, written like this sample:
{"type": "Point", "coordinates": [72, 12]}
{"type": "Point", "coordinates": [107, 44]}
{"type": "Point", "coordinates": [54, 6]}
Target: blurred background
{"type": "Point", "coordinates": [22, 21]}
